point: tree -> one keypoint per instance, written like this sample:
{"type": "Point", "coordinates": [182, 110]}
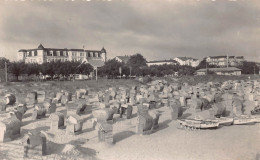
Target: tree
{"type": "Point", "coordinates": [17, 68]}
{"type": "Point", "coordinates": [249, 67]}
{"type": "Point", "coordinates": [33, 68]}
{"type": "Point", "coordinates": [136, 62]}
{"type": "Point", "coordinates": [85, 69]}
{"type": "Point", "coordinates": [186, 70]}
{"type": "Point", "coordinates": [2, 62]}
{"type": "Point", "coordinates": [204, 65]}
{"type": "Point", "coordinates": [47, 68]}
{"type": "Point", "coordinates": [111, 68]}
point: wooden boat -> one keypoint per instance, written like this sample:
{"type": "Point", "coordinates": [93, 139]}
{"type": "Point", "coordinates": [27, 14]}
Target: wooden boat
{"type": "Point", "coordinates": [245, 120]}
{"type": "Point", "coordinates": [209, 125]}
{"type": "Point", "coordinates": [198, 124]}
{"type": "Point", "coordinates": [190, 123]}
{"type": "Point", "coordinates": [224, 121]}
{"type": "Point", "coordinates": [257, 118]}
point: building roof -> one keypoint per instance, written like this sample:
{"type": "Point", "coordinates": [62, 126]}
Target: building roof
{"type": "Point", "coordinates": [124, 58]}
{"type": "Point", "coordinates": [40, 47]}
{"type": "Point", "coordinates": [187, 58]}
{"type": "Point", "coordinates": [230, 69]}
{"type": "Point", "coordinates": [214, 57]}
{"type": "Point", "coordinates": [96, 63]}
{"type": "Point", "coordinates": [160, 61]}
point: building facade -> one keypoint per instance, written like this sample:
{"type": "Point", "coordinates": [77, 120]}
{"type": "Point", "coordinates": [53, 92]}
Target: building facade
{"type": "Point", "coordinates": [188, 61]}
{"type": "Point", "coordinates": [122, 59]}
{"type": "Point", "coordinates": [42, 54]}
{"type": "Point", "coordinates": [157, 63]}
{"type": "Point", "coordinates": [220, 71]}
{"type": "Point", "coordinates": [223, 61]}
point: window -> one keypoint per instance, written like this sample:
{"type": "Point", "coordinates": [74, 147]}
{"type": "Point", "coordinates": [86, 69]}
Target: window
{"type": "Point", "coordinates": [35, 53]}
{"type": "Point", "coordinates": [61, 53]}
{"type": "Point", "coordinates": [54, 53]}
{"type": "Point", "coordinates": [81, 54]}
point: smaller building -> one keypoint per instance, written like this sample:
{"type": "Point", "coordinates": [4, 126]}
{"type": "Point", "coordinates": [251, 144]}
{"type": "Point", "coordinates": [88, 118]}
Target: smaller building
{"type": "Point", "coordinates": [122, 59]}
{"type": "Point", "coordinates": [163, 62]}
{"type": "Point", "coordinates": [187, 61]}
{"type": "Point", "coordinates": [220, 71]}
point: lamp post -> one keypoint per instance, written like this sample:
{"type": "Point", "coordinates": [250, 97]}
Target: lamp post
{"type": "Point", "coordinates": [6, 78]}
{"type": "Point", "coordinates": [96, 73]}
{"type": "Point", "coordinates": [206, 67]}
{"type": "Point", "coordinates": [130, 71]}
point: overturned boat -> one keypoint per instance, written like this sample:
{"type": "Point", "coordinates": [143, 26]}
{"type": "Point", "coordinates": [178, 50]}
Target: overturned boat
{"type": "Point", "coordinates": [245, 120]}
{"type": "Point", "coordinates": [225, 121]}
{"type": "Point", "coordinates": [198, 124]}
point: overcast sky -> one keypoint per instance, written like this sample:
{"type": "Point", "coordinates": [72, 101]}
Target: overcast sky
{"type": "Point", "coordinates": [158, 29]}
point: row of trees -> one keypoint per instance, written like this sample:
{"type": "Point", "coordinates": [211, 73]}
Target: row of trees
{"type": "Point", "coordinates": [136, 65]}
{"type": "Point", "coordinates": [49, 68]}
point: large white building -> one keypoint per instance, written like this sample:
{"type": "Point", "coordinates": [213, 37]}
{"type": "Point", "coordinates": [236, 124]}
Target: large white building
{"type": "Point", "coordinates": [188, 61]}
{"type": "Point", "coordinates": [223, 61]}
{"type": "Point", "coordinates": [163, 62]}
{"type": "Point", "coordinates": [42, 54]}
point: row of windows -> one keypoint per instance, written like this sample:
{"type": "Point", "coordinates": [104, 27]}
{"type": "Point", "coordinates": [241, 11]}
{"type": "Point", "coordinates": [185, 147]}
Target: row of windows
{"type": "Point", "coordinates": [56, 60]}
{"type": "Point", "coordinates": [56, 53]}
{"type": "Point", "coordinates": [62, 53]}
{"type": "Point", "coordinates": [85, 54]}
{"type": "Point", "coordinates": [30, 53]}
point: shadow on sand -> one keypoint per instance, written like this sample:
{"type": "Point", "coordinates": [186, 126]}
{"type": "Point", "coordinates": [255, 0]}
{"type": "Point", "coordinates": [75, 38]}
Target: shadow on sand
{"type": "Point", "coordinates": [162, 125]}
{"type": "Point", "coordinates": [122, 135]}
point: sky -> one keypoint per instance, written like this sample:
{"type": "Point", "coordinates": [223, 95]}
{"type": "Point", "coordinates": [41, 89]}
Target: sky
{"type": "Point", "coordinates": [158, 29]}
